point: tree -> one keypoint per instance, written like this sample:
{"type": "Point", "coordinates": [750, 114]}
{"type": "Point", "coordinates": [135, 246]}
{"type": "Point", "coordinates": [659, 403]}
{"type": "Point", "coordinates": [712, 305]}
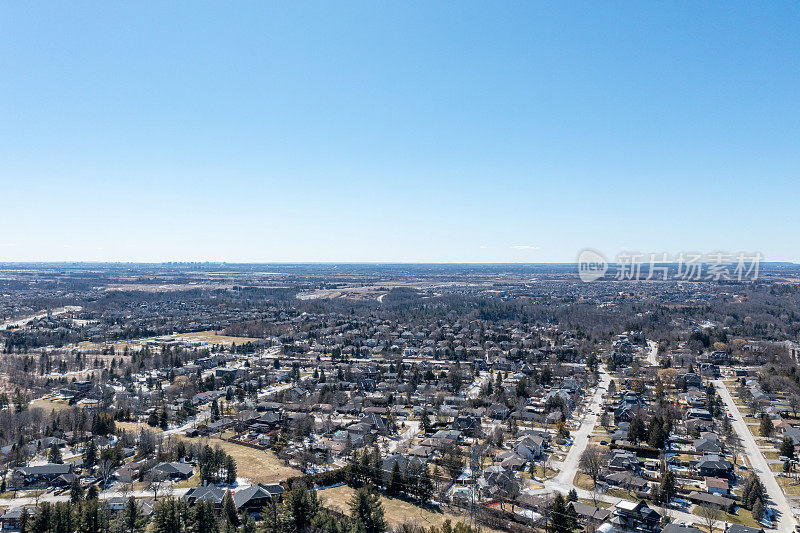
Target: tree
{"type": "Point", "coordinates": [229, 511]}
{"type": "Point", "coordinates": [94, 517]}
{"type": "Point", "coordinates": [592, 462]}
{"type": "Point", "coordinates": [766, 428]}
{"type": "Point", "coordinates": [453, 461]}
{"type": "Point", "coordinates": [794, 403]}
{"type": "Point", "coordinates": [758, 511]}
{"type": "Point", "coordinates": [55, 455]}
{"type": "Point", "coordinates": [75, 490]}
{"type": "Point", "coordinates": [273, 517]}
{"type": "Point", "coordinates": [656, 436]}
{"type": "Point", "coordinates": [425, 421]}
{"type": "Point", "coordinates": [250, 525]}
{"type": "Point", "coordinates": [562, 516]}
{"type": "Point", "coordinates": [667, 490]}
{"type": "Point", "coordinates": [367, 511]}
{"type": "Point", "coordinates": [710, 516]}
{"type": "Point", "coordinates": [787, 447]}
{"type": "Point", "coordinates": [301, 506]}
{"type": "Point", "coordinates": [636, 430]}
{"type": "Point", "coordinates": [132, 519]}
{"type": "Point", "coordinates": [424, 486]}
{"type": "Point", "coordinates": [230, 470]}
{"type": "Point", "coordinates": [90, 454]}
{"type": "Point", "coordinates": [168, 517]}
{"type": "Point", "coordinates": [395, 481]}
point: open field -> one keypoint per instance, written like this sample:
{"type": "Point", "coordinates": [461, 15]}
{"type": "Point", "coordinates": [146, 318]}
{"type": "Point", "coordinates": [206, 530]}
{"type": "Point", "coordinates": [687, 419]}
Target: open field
{"type": "Point", "coordinates": [256, 465]}
{"type": "Point", "coordinates": [49, 405]}
{"type": "Point", "coordinates": [396, 511]}
{"type": "Point", "coordinates": [211, 337]}
{"type": "Point", "coordinates": [135, 427]}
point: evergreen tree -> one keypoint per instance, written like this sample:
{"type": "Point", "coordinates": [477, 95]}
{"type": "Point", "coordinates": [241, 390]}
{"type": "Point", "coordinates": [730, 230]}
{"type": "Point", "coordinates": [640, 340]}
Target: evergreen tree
{"type": "Point", "coordinates": [75, 491]}
{"type": "Point", "coordinates": [787, 447]}
{"type": "Point", "coordinates": [301, 507]}
{"type": "Point", "coordinates": [230, 470]}
{"type": "Point", "coordinates": [766, 428]}
{"type": "Point", "coordinates": [229, 509]}
{"type": "Point", "coordinates": [636, 430]}
{"type": "Point", "coordinates": [203, 518]}
{"type": "Point", "coordinates": [667, 490]}
{"type": "Point", "coordinates": [55, 455]}
{"type": "Point", "coordinates": [367, 511]}
{"type": "Point", "coordinates": [562, 517]}
{"type": "Point", "coordinates": [132, 520]}
{"type": "Point", "coordinates": [424, 489]}
{"type": "Point", "coordinates": [395, 481]}
{"type": "Point", "coordinates": [168, 517]}
{"type": "Point", "coordinates": [90, 455]}
{"type": "Point", "coordinates": [249, 526]}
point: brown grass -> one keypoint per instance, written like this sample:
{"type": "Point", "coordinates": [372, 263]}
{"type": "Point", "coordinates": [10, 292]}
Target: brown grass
{"type": "Point", "coordinates": [49, 405]}
{"type": "Point", "coordinates": [256, 465]}
{"type": "Point", "coordinates": [396, 511]}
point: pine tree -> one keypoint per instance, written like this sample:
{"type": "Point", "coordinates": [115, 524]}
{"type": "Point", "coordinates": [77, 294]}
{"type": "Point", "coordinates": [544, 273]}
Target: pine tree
{"type": "Point", "coordinates": [766, 428]}
{"type": "Point", "coordinates": [424, 485]}
{"type": "Point", "coordinates": [229, 509]}
{"type": "Point", "coordinates": [230, 470]}
{"type": "Point", "coordinates": [55, 455]}
{"type": "Point", "coordinates": [562, 517]}
{"type": "Point", "coordinates": [395, 481]}
{"type": "Point", "coordinates": [75, 491]}
{"type": "Point", "coordinates": [367, 511]}
{"type": "Point", "coordinates": [90, 454]}
{"type": "Point", "coordinates": [667, 489]}
{"type": "Point", "coordinates": [132, 520]}
{"type": "Point", "coordinates": [787, 447]}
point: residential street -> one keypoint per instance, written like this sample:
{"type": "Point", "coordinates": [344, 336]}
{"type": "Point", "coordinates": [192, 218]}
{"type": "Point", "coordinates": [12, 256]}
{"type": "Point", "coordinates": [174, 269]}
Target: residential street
{"type": "Point", "coordinates": [786, 522]}
{"type": "Point", "coordinates": [580, 438]}
{"type": "Point", "coordinates": [652, 357]}
{"type": "Point", "coordinates": [563, 482]}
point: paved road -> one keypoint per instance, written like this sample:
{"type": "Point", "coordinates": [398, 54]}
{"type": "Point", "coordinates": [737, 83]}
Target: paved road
{"type": "Point", "coordinates": [786, 522]}
{"type": "Point", "coordinates": [106, 494]}
{"type": "Point", "coordinates": [652, 357]}
{"type": "Point", "coordinates": [563, 482]}
{"type": "Point", "coordinates": [580, 438]}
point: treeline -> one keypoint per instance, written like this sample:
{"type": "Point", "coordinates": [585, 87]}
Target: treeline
{"type": "Point", "coordinates": [365, 468]}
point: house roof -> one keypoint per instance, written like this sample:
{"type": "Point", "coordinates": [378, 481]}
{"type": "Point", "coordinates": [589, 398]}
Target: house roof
{"type": "Point", "coordinates": [258, 491]}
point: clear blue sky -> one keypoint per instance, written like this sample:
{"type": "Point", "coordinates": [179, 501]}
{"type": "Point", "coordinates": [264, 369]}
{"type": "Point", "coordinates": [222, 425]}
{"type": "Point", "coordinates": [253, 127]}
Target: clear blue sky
{"type": "Point", "coordinates": [397, 131]}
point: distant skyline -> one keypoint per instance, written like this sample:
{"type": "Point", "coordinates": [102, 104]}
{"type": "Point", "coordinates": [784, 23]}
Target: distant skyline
{"type": "Point", "coordinates": [383, 132]}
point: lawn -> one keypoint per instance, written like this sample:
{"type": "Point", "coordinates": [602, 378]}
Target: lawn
{"type": "Point", "coordinates": [193, 481]}
{"type": "Point", "coordinates": [744, 517]}
{"type": "Point", "coordinates": [396, 511]}
{"type": "Point", "coordinates": [135, 427]}
{"type": "Point", "coordinates": [256, 465]}
{"type": "Point", "coordinates": [790, 486]}
{"type": "Point", "coordinates": [49, 405]}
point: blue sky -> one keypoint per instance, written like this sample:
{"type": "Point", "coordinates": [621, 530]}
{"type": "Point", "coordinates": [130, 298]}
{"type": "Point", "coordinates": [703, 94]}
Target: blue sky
{"type": "Point", "coordinates": [397, 131]}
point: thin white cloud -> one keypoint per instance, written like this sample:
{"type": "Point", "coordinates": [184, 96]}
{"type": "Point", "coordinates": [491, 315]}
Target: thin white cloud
{"type": "Point", "coordinates": [525, 247]}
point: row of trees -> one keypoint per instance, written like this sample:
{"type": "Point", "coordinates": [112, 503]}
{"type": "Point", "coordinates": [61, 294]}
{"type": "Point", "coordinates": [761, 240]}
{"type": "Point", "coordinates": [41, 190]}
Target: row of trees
{"type": "Point", "coordinates": [366, 469]}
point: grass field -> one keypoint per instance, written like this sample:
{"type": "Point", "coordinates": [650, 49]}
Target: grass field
{"type": "Point", "coordinates": [396, 511]}
{"type": "Point", "coordinates": [135, 427]}
{"type": "Point", "coordinates": [49, 405]}
{"type": "Point", "coordinates": [211, 337]}
{"type": "Point", "coordinates": [256, 465]}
